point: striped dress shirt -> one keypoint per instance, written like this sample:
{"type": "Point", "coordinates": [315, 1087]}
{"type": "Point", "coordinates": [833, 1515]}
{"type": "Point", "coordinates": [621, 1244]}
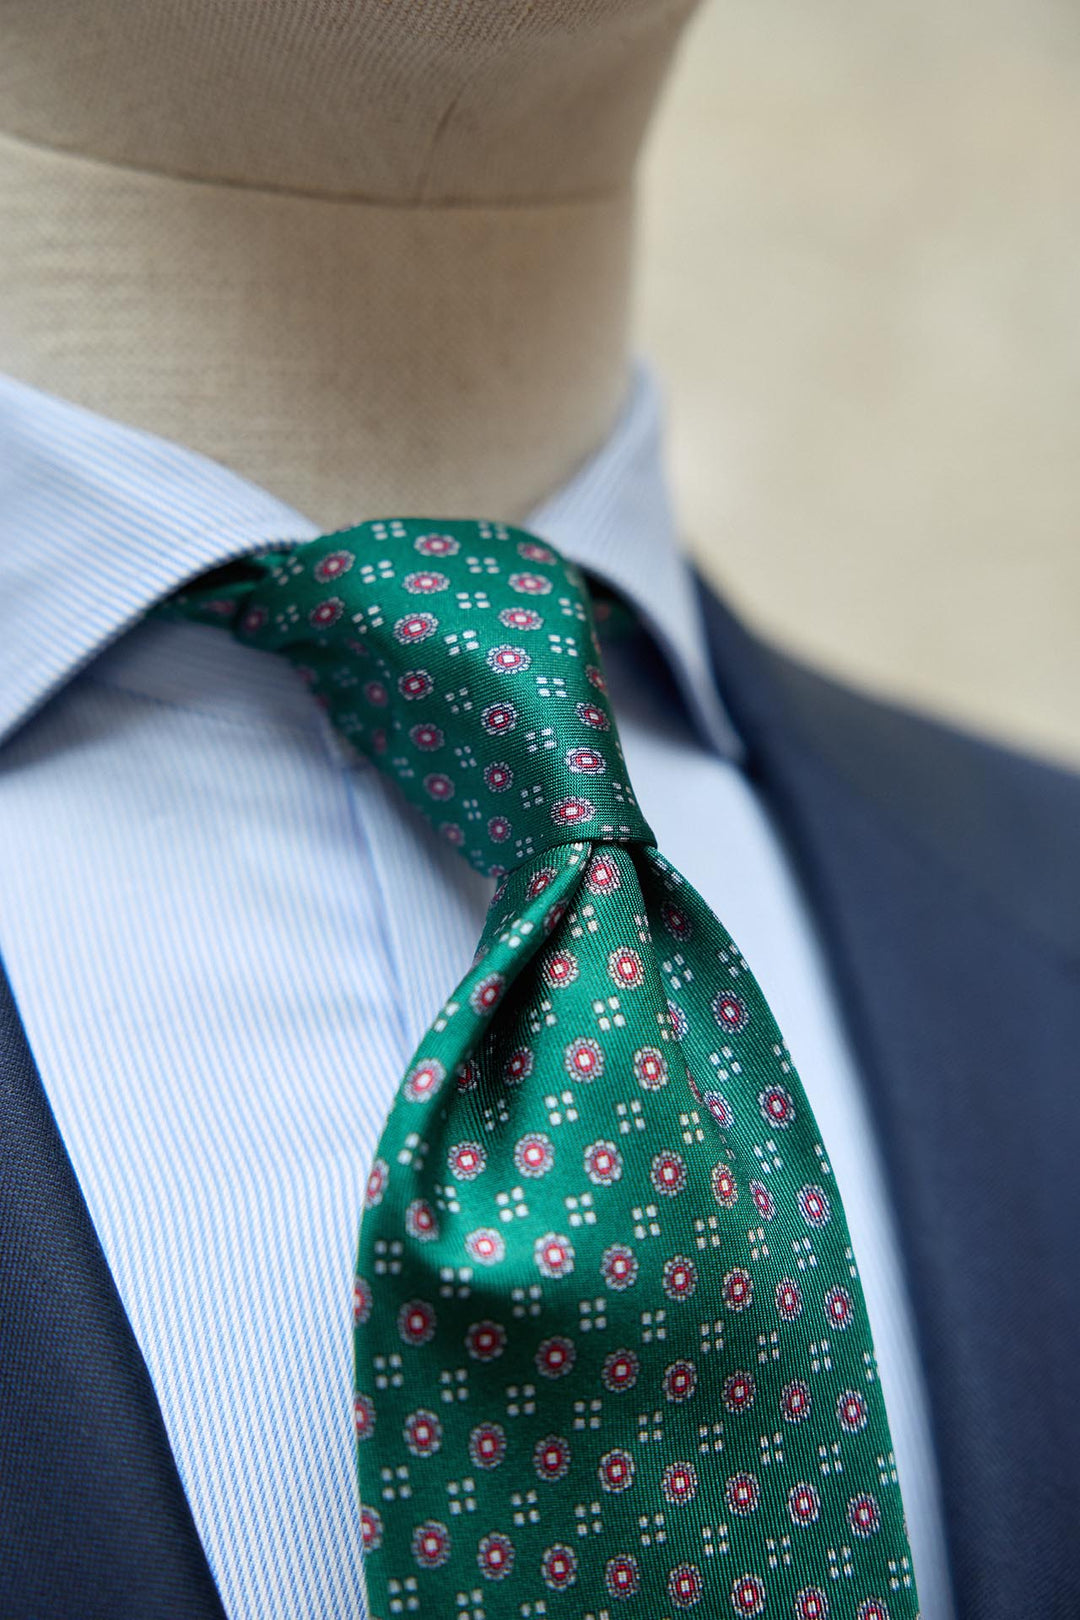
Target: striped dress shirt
{"type": "Point", "coordinates": [225, 941]}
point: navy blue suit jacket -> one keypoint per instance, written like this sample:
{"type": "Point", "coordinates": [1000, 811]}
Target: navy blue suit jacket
{"type": "Point", "coordinates": [945, 875]}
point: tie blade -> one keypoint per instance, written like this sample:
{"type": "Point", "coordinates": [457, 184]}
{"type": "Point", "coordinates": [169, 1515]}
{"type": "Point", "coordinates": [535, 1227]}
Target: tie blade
{"type": "Point", "coordinates": [611, 1339]}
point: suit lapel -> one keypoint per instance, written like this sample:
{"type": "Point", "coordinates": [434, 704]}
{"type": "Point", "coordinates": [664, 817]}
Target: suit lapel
{"type": "Point", "coordinates": [964, 1011]}
{"type": "Point", "coordinates": [93, 1517]}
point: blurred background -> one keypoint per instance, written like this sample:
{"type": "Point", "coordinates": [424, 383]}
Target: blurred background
{"type": "Point", "coordinates": [861, 285]}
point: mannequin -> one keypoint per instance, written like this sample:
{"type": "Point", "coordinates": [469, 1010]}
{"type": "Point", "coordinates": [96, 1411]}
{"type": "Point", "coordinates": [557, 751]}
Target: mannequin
{"type": "Point", "coordinates": [373, 255]}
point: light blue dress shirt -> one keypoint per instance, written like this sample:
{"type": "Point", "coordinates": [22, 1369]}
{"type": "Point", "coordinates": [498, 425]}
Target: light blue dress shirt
{"type": "Point", "coordinates": [225, 942]}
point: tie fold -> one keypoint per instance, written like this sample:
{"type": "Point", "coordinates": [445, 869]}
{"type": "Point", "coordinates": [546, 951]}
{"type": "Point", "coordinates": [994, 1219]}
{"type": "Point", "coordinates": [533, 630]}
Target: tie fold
{"type": "Point", "coordinates": [462, 659]}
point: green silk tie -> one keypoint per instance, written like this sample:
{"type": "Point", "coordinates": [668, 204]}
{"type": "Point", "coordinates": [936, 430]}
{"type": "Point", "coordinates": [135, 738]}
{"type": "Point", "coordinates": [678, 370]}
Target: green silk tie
{"type": "Point", "coordinates": [612, 1354]}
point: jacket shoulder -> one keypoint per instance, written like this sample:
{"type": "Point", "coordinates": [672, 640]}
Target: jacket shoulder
{"type": "Point", "coordinates": [1008, 822]}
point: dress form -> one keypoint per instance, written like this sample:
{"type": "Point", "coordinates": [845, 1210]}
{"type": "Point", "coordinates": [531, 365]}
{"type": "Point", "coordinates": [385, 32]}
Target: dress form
{"type": "Point", "coordinates": [374, 256]}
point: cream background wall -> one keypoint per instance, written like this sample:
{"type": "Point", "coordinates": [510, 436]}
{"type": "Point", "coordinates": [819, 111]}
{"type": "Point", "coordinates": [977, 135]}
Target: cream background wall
{"type": "Point", "coordinates": [861, 281]}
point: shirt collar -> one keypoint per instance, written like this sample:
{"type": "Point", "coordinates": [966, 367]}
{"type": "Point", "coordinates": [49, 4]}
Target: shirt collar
{"type": "Point", "coordinates": [99, 520]}
{"type": "Point", "coordinates": [615, 519]}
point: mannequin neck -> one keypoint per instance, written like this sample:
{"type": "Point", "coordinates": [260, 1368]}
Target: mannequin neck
{"type": "Point", "coordinates": [352, 358]}
{"type": "Point", "coordinates": [406, 294]}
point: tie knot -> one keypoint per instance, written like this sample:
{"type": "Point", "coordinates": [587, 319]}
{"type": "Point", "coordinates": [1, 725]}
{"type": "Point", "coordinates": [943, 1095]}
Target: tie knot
{"type": "Point", "coordinates": [461, 657]}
